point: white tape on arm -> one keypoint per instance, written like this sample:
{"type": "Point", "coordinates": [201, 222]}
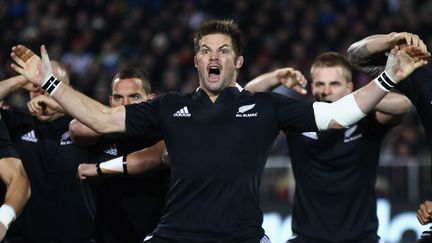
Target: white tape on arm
{"type": "Point", "coordinates": [344, 111]}
{"type": "Point", "coordinates": [7, 214]}
{"type": "Point", "coordinates": [114, 165]}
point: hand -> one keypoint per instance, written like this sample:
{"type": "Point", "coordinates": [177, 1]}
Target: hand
{"type": "Point", "coordinates": [292, 79]}
{"type": "Point", "coordinates": [28, 64]}
{"type": "Point", "coordinates": [416, 52]}
{"type": "Point", "coordinates": [3, 230]}
{"type": "Point", "coordinates": [400, 64]}
{"type": "Point", "coordinates": [424, 212]}
{"type": "Point", "coordinates": [405, 38]}
{"type": "Point", "coordinates": [87, 170]}
{"type": "Point", "coordinates": [43, 105]}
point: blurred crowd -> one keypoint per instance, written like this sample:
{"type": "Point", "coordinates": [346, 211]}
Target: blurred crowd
{"type": "Point", "coordinates": [96, 38]}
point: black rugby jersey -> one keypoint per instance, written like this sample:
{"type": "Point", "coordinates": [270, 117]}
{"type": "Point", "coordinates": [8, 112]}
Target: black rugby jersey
{"type": "Point", "coordinates": [335, 173]}
{"type": "Point", "coordinates": [217, 155]}
{"type": "Point", "coordinates": [418, 88]}
{"type": "Point", "coordinates": [6, 147]}
{"type": "Point", "coordinates": [56, 210]}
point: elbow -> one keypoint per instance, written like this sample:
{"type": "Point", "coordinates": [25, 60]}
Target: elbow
{"type": "Point", "coordinates": [405, 105]}
{"type": "Point", "coordinates": [73, 128]}
{"type": "Point", "coordinates": [22, 176]}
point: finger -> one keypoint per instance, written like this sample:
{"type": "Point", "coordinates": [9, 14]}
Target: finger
{"type": "Point", "coordinates": [17, 60]}
{"type": "Point", "coordinates": [422, 45]}
{"type": "Point", "coordinates": [18, 69]}
{"type": "Point", "coordinates": [299, 90]}
{"type": "Point", "coordinates": [27, 54]}
{"type": "Point", "coordinates": [415, 40]}
{"type": "Point", "coordinates": [408, 39]}
{"type": "Point", "coordinates": [421, 219]}
{"type": "Point", "coordinates": [46, 60]}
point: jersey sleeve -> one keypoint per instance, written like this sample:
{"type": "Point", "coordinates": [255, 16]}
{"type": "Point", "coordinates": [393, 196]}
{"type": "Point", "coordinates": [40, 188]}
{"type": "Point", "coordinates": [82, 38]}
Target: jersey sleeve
{"type": "Point", "coordinates": [416, 83]}
{"type": "Point", "coordinates": [143, 118]}
{"type": "Point", "coordinates": [294, 115]}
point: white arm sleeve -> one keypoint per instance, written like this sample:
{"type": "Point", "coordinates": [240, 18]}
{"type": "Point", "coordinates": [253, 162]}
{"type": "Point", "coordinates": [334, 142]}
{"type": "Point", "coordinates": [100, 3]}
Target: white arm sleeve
{"type": "Point", "coordinates": [344, 111]}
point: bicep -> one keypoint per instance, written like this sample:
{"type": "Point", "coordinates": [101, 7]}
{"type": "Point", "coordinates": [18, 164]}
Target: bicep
{"type": "Point", "coordinates": [8, 168]}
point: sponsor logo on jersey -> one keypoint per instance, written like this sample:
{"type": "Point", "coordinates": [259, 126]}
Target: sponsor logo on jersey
{"type": "Point", "coordinates": [111, 150]}
{"type": "Point", "coordinates": [312, 135]}
{"type": "Point", "coordinates": [246, 108]}
{"type": "Point", "coordinates": [30, 137]}
{"type": "Point", "coordinates": [348, 137]}
{"type": "Point", "coordinates": [65, 139]}
{"type": "Point", "coordinates": [183, 112]}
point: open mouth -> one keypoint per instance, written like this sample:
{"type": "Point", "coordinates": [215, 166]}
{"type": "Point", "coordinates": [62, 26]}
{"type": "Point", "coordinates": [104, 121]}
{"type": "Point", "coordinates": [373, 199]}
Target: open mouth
{"type": "Point", "coordinates": [214, 73]}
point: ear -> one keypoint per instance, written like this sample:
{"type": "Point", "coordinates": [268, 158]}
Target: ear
{"type": "Point", "coordinates": [350, 86]}
{"type": "Point", "coordinates": [151, 95]}
{"type": "Point", "coordinates": [239, 62]}
{"type": "Point", "coordinates": [195, 61]}
{"type": "Point", "coordinates": [110, 100]}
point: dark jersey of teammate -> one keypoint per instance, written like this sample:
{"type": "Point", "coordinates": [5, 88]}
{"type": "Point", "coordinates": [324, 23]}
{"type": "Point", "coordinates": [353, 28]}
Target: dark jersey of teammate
{"type": "Point", "coordinates": [217, 155]}
{"type": "Point", "coordinates": [418, 88]}
{"type": "Point", "coordinates": [56, 211]}
{"type": "Point", "coordinates": [128, 208]}
{"type": "Point", "coordinates": [6, 151]}
{"type": "Point", "coordinates": [335, 174]}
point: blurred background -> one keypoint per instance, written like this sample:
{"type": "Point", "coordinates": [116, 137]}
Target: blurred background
{"type": "Point", "coordinates": [96, 38]}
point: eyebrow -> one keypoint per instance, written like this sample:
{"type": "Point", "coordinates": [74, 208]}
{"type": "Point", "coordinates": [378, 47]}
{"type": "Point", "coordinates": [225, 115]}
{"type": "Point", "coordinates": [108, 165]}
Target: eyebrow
{"type": "Point", "coordinates": [223, 46]}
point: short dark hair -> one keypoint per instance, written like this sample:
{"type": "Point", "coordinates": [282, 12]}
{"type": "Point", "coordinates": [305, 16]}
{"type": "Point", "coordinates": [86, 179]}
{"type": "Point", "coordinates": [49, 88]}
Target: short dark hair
{"type": "Point", "coordinates": [134, 73]}
{"type": "Point", "coordinates": [217, 26]}
{"type": "Point", "coordinates": [333, 59]}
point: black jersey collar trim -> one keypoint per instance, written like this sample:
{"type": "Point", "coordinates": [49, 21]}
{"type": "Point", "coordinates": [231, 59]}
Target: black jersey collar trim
{"type": "Point", "coordinates": [226, 94]}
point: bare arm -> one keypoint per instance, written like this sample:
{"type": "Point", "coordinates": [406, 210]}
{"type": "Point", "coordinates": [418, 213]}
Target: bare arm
{"type": "Point", "coordinates": [392, 108]}
{"type": "Point", "coordinates": [288, 77]}
{"type": "Point", "coordinates": [368, 54]}
{"type": "Point", "coordinates": [11, 84]}
{"type": "Point", "coordinates": [14, 177]}
{"type": "Point", "coordinates": [137, 162]}
{"type": "Point", "coordinates": [146, 159]}
{"type": "Point", "coordinates": [399, 65]}
{"type": "Point", "coordinates": [17, 193]}
{"type": "Point", "coordinates": [81, 134]}
{"type": "Point", "coordinates": [95, 115]}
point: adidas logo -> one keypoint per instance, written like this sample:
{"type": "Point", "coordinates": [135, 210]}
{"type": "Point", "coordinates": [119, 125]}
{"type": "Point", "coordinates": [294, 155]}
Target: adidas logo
{"type": "Point", "coordinates": [183, 112]}
{"type": "Point", "coordinates": [65, 139]}
{"type": "Point", "coordinates": [111, 150]}
{"type": "Point", "coordinates": [243, 109]}
{"type": "Point", "coordinates": [30, 137]}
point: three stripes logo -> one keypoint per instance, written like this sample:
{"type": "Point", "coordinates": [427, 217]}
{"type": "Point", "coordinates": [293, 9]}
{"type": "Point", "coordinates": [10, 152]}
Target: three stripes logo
{"type": "Point", "coordinates": [30, 137]}
{"type": "Point", "coordinates": [183, 112]}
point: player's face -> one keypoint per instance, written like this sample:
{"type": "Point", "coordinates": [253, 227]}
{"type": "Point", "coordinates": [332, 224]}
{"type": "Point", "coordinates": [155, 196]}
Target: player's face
{"type": "Point", "coordinates": [217, 63]}
{"type": "Point", "coordinates": [127, 91]}
{"type": "Point", "coordinates": [329, 84]}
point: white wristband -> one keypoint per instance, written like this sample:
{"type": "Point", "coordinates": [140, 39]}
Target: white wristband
{"type": "Point", "coordinates": [7, 215]}
{"type": "Point", "coordinates": [114, 165]}
{"type": "Point", "coordinates": [51, 85]}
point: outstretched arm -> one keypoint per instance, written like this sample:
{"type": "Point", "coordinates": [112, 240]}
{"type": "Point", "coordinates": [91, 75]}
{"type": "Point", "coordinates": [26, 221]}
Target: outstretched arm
{"type": "Point", "coordinates": [288, 77]}
{"type": "Point", "coordinates": [368, 55]}
{"type": "Point", "coordinates": [95, 115]}
{"type": "Point", "coordinates": [353, 107]}
{"type": "Point", "coordinates": [81, 134]}
{"type": "Point", "coordinates": [14, 177]}
{"type": "Point", "coordinates": [9, 85]}
{"type": "Point", "coordinates": [135, 163]}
